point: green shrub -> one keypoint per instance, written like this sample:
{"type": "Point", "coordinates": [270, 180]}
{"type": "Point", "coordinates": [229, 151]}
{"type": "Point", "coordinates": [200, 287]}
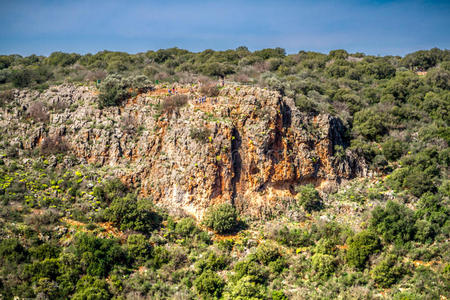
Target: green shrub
{"type": "Point", "coordinates": [323, 265]}
{"type": "Point", "coordinates": [44, 251]}
{"type": "Point", "coordinates": [209, 285]}
{"type": "Point", "coordinates": [98, 256]}
{"type": "Point", "coordinates": [186, 227]}
{"type": "Point", "coordinates": [62, 59]}
{"type": "Point", "coordinates": [425, 231]}
{"type": "Point", "coordinates": [388, 271]}
{"type": "Point", "coordinates": [212, 261]}
{"type": "Point", "coordinates": [392, 149]}
{"type": "Point", "coordinates": [12, 251]}
{"type": "Point", "coordinates": [48, 268]}
{"type": "Point", "coordinates": [279, 295]}
{"type": "Point", "coordinates": [361, 246]}
{"type": "Point", "coordinates": [21, 78]}
{"type": "Point", "coordinates": [291, 237]}
{"type": "Point", "coordinates": [370, 124]}
{"type": "Point", "coordinates": [90, 288]}
{"type": "Point", "coordinates": [395, 222]}
{"type": "Point", "coordinates": [305, 104]}
{"type": "Point", "coordinates": [222, 218]}
{"type": "Point", "coordinates": [246, 289]}
{"type": "Point", "coordinates": [308, 198]}
{"type": "Point", "coordinates": [113, 90]}
{"type": "Point", "coordinates": [200, 134]}
{"type": "Point", "coordinates": [325, 246]}
{"type": "Point", "coordinates": [160, 256]}
{"type": "Point", "coordinates": [266, 253]}
{"type": "Point", "coordinates": [139, 247]}
{"type": "Point", "coordinates": [250, 268]}
{"type": "Point", "coordinates": [277, 266]}
{"type": "Point", "coordinates": [130, 213]}
{"type": "Point", "coordinates": [109, 190]}
{"type": "Point", "coordinates": [116, 88]}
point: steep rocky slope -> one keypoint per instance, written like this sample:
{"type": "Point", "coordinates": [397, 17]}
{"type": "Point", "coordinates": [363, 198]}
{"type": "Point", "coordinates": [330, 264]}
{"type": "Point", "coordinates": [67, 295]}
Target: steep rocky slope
{"type": "Point", "coordinates": [249, 145]}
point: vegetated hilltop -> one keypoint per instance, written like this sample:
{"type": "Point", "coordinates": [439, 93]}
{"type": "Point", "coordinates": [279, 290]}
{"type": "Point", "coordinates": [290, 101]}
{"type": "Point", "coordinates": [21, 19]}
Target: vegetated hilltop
{"type": "Point", "coordinates": [317, 176]}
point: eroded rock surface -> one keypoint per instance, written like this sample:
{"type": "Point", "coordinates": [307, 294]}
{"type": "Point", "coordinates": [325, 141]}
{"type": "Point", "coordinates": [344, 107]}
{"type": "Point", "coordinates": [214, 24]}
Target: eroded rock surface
{"type": "Point", "coordinates": [258, 146]}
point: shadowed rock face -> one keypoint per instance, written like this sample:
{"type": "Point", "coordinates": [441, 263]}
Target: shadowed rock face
{"type": "Point", "coordinates": [260, 146]}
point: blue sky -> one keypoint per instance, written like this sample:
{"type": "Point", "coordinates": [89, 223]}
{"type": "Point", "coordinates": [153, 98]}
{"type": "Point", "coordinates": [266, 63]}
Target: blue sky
{"type": "Point", "coordinates": [82, 26]}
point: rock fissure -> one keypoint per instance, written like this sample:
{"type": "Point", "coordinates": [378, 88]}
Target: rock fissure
{"type": "Point", "coordinates": [236, 163]}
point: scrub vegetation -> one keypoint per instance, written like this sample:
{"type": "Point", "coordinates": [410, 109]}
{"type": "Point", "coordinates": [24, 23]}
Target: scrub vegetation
{"type": "Point", "coordinates": [80, 233]}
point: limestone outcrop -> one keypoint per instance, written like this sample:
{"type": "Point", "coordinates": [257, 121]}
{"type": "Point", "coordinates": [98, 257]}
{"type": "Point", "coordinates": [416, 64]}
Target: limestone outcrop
{"type": "Point", "coordinates": [249, 146]}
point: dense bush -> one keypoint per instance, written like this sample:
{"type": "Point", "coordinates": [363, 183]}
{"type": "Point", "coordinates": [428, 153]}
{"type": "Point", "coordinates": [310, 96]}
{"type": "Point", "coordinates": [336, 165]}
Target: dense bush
{"type": "Point", "coordinates": [308, 198]}
{"type": "Point", "coordinates": [139, 247]}
{"type": "Point", "coordinates": [12, 251]}
{"type": "Point", "coordinates": [209, 285]}
{"type": "Point", "coordinates": [392, 149]}
{"type": "Point", "coordinates": [370, 124]}
{"type": "Point", "coordinates": [361, 246]}
{"type": "Point", "coordinates": [388, 271]}
{"type": "Point", "coordinates": [324, 265]}
{"type": "Point", "coordinates": [246, 288]}
{"type": "Point", "coordinates": [89, 287]}
{"type": "Point", "coordinates": [266, 253]}
{"type": "Point", "coordinates": [109, 190]}
{"type": "Point", "coordinates": [212, 261]}
{"type": "Point", "coordinates": [200, 134]}
{"type": "Point", "coordinates": [395, 222]}
{"type": "Point", "coordinates": [222, 218]}
{"type": "Point", "coordinates": [97, 255]}
{"type": "Point", "coordinates": [116, 88]}
{"type": "Point", "coordinates": [251, 269]}
{"type": "Point", "coordinates": [420, 172]}
{"type": "Point", "coordinates": [136, 214]}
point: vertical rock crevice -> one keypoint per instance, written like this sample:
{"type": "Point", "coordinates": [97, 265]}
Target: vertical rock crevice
{"type": "Point", "coordinates": [236, 163]}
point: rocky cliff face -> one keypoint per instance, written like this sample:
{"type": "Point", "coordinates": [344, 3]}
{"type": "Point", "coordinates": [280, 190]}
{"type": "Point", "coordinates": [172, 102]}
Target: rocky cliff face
{"type": "Point", "coordinates": [250, 146]}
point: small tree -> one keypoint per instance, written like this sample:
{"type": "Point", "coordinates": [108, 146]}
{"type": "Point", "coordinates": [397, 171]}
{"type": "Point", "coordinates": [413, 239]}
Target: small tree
{"type": "Point", "coordinates": [221, 218]}
{"type": "Point", "coordinates": [323, 264]}
{"type": "Point", "coordinates": [130, 213]}
{"type": "Point", "coordinates": [115, 88]}
{"type": "Point", "coordinates": [361, 246]}
{"type": "Point", "coordinates": [247, 288]}
{"type": "Point", "coordinates": [396, 222]}
{"type": "Point", "coordinates": [209, 284]}
{"type": "Point", "coordinates": [388, 271]}
{"type": "Point", "coordinates": [309, 198]}
{"type": "Point", "coordinates": [392, 149]}
{"type": "Point", "coordinates": [138, 246]}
